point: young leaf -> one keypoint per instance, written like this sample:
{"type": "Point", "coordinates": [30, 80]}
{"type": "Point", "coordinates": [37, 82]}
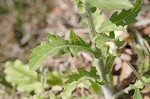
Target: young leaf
{"type": "Point", "coordinates": [75, 79]}
{"type": "Point", "coordinates": [110, 26]}
{"type": "Point", "coordinates": [101, 39]}
{"type": "Point", "coordinates": [117, 21]}
{"type": "Point", "coordinates": [110, 4]}
{"type": "Point", "coordinates": [57, 44]}
{"type": "Point", "coordinates": [98, 19]}
{"type": "Point", "coordinates": [137, 94]}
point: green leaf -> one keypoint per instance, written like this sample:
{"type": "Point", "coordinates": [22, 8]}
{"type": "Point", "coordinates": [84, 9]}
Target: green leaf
{"type": "Point", "coordinates": [80, 7]}
{"type": "Point", "coordinates": [112, 34]}
{"type": "Point", "coordinates": [4, 82]}
{"type": "Point", "coordinates": [42, 51]}
{"type": "Point", "coordinates": [110, 26]}
{"type": "Point", "coordinates": [109, 61]}
{"type": "Point", "coordinates": [38, 97]}
{"type": "Point", "coordinates": [137, 94]}
{"type": "Point", "coordinates": [96, 88]}
{"type": "Point", "coordinates": [119, 43]}
{"type": "Point", "coordinates": [55, 45]}
{"type": "Point", "coordinates": [52, 96]}
{"type": "Point", "coordinates": [98, 20]}
{"type": "Point", "coordinates": [20, 75]}
{"type": "Point", "coordinates": [75, 79]}
{"type": "Point", "coordinates": [101, 39]}
{"type": "Point", "coordinates": [55, 78]}
{"type": "Point", "coordinates": [77, 44]}
{"type": "Point", "coordinates": [126, 16]}
{"type": "Point", "coordinates": [68, 88]}
{"type": "Point", "coordinates": [117, 21]}
{"type": "Point", "coordinates": [93, 9]}
{"type": "Point", "coordinates": [105, 50]}
{"type": "Point", "coordinates": [110, 4]}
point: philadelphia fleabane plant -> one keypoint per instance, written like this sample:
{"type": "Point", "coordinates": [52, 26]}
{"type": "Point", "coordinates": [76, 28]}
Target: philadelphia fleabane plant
{"type": "Point", "coordinates": [100, 34]}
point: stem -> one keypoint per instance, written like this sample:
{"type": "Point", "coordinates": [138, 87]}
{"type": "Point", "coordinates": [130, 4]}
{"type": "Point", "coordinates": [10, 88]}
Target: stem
{"type": "Point", "coordinates": [107, 90]}
{"type": "Point", "coordinates": [120, 93]}
{"type": "Point", "coordinates": [135, 72]}
{"type": "Point", "coordinates": [90, 19]}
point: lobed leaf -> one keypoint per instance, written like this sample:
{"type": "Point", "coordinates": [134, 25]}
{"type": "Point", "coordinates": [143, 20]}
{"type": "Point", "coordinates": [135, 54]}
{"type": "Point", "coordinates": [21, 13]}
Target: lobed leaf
{"type": "Point", "coordinates": [117, 21]}
{"type": "Point", "coordinates": [75, 79]}
{"type": "Point", "coordinates": [126, 16]}
{"type": "Point", "coordinates": [57, 44]}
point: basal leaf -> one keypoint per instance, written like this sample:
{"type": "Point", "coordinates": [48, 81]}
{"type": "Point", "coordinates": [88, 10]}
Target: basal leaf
{"type": "Point", "coordinates": [117, 21]}
{"type": "Point", "coordinates": [137, 94]}
{"type": "Point", "coordinates": [57, 44]}
{"type": "Point", "coordinates": [4, 82]}
{"type": "Point", "coordinates": [110, 4]}
{"type": "Point", "coordinates": [20, 75]}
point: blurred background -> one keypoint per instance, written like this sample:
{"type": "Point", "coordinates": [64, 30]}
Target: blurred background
{"type": "Point", "coordinates": [24, 24]}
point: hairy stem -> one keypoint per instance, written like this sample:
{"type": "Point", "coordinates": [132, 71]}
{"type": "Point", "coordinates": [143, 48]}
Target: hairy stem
{"type": "Point", "coordinates": [107, 90]}
{"type": "Point", "coordinates": [90, 20]}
